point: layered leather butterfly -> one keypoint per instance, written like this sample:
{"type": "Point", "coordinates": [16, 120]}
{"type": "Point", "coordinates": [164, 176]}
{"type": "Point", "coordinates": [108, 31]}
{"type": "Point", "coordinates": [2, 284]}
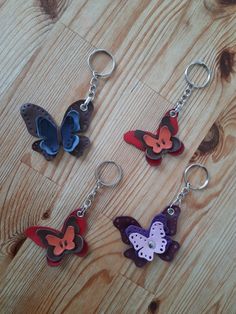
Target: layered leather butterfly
{"type": "Point", "coordinates": [40, 124]}
{"type": "Point", "coordinates": [60, 243]}
{"type": "Point", "coordinates": [156, 240]}
{"type": "Point", "coordinates": [156, 146]}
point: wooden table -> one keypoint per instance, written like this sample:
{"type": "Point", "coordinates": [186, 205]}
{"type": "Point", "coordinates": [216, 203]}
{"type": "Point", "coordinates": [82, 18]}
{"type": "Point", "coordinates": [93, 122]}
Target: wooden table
{"type": "Point", "coordinates": [44, 48]}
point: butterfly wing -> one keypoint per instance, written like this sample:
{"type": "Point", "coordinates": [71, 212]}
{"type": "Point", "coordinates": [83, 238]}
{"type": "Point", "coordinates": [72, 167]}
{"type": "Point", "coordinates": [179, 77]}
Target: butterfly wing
{"type": "Point", "coordinates": [69, 237]}
{"type": "Point", "coordinates": [158, 236]}
{"type": "Point", "coordinates": [84, 142]}
{"type": "Point", "coordinates": [170, 122]}
{"type": "Point", "coordinates": [75, 242]}
{"type": "Point", "coordinates": [122, 223]}
{"type": "Point", "coordinates": [177, 148]}
{"type": "Point", "coordinates": [132, 254]}
{"type": "Point", "coordinates": [171, 220]}
{"type": "Point", "coordinates": [79, 221]}
{"type": "Point", "coordinates": [153, 143]}
{"type": "Point", "coordinates": [84, 250]}
{"type": "Point", "coordinates": [135, 138]}
{"type": "Point", "coordinates": [56, 242]}
{"type": "Point", "coordinates": [70, 126]}
{"type": "Point", "coordinates": [75, 121]}
{"type": "Point", "coordinates": [84, 116]}
{"type": "Point", "coordinates": [34, 234]}
{"type": "Point", "coordinates": [40, 124]}
{"type": "Point", "coordinates": [169, 254]}
{"type": "Point", "coordinates": [140, 244]}
{"type": "Point", "coordinates": [157, 145]}
{"type": "Point", "coordinates": [153, 162]}
{"type": "Point", "coordinates": [47, 130]}
{"type": "Point", "coordinates": [137, 240]}
{"type": "Point", "coordinates": [165, 138]}
{"type": "Point", "coordinates": [138, 237]}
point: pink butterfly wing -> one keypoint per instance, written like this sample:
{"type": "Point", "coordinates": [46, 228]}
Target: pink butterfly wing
{"type": "Point", "coordinates": [156, 236]}
{"type": "Point", "coordinates": [140, 244]}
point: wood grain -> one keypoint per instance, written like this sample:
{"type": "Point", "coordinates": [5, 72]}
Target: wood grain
{"type": "Point", "coordinates": [20, 210]}
{"type": "Point", "coordinates": [24, 27]}
{"type": "Point", "coordinates": [44, 48]}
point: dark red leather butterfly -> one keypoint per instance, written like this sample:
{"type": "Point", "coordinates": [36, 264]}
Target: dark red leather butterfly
{"type": "Point", "coordinates": [156, 146]}
{"type": "Point", "coordinates": [60, 243]}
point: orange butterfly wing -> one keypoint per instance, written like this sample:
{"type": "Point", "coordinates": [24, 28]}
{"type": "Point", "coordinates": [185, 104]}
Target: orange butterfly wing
{"type": "Point", "coordinates": [152, 142]}
{"type": "Point", "coordinates": [163, 142]}
{"type": "Point", "coordinates": [69, 238]}
{"type": "Point", "coordinates": [57, 243]}
{"type": "Point", "coordinates": [164, 138]}
{"type": "Point", "coordinates": [60, 245]}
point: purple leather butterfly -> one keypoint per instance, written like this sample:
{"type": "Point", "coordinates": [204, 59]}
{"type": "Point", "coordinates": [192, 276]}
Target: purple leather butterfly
{"type": "Point", "coordinates": [40, 124]}
{"type": "Point", "coordinates": [156, 240]}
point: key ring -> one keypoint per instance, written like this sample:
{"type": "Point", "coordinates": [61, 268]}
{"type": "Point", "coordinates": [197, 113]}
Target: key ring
{"type": "Point", "coordinates": [95, 77]}
{"type": "Point", "coordinates": [188, 186]}
{"type": "Point", "coordinates": [189, 68]}
{"type": "Point", "coordinates": [101, 74]}
{"type": "Point", "coordinates": [99, 184]}
{"type": "Point", "coordinates": [98, 173]}
{"type": "Point", "coordinates": [187, 172]}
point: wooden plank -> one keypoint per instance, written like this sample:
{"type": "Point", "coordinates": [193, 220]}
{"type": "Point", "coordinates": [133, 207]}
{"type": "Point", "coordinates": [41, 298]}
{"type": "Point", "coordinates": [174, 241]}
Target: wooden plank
{"type": "Point", "coordinates": [20, 208]}
{"type": "Point", "coordinates": [153, 47]}
{"type": "Point", "coordinates": [126, 297]}
{"type": "Point", "coordinates": [24, 27]}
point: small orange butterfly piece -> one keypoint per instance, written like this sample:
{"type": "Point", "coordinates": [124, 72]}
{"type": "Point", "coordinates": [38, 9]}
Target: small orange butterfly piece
{"type": "Point", "coordinates": [160, 143]}
{"type": "Point", "coordinates": [66, 243]}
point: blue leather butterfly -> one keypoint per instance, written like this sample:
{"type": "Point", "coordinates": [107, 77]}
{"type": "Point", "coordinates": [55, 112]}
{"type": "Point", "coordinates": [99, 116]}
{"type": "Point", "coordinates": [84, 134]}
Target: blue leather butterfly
{"type": "Point", "coordinates": [40, 124]}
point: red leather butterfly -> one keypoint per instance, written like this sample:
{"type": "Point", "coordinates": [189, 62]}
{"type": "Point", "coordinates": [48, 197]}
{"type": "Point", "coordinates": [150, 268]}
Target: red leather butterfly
{"type": "Point", "coordinates": [156, 146]}
{"type": "Point", "coordinates": [60, 243]}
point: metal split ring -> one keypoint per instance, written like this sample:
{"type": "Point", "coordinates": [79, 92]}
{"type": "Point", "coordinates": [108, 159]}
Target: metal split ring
{"type": "Point", "coordinates": [101, 74]}
{"type": "Point", "coordinates": [98, 173]}
{"type": "Point", "coordinates": [187, 172]}
{"type": "Point", "coordinates": [189, 68]}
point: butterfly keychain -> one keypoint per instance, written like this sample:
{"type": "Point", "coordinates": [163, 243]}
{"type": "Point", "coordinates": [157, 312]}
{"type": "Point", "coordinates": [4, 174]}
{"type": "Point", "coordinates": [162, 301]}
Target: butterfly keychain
{"type": "Point", "coordinates": [76, 120]}
{"type": "Point", "coordinates": [164, 141]}
{"type": "Point", "coordinates": [70, 239]}
{"type": "Point", "coordinates": [157, 239]}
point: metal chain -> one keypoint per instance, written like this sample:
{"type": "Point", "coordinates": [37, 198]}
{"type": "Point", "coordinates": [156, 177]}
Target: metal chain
{"type": "Point", "coordinates": [182, 101]}
{"type": "Point", "coordinates": [89, 199]}
{"type": "Point", "coordinates": [185, 190]}
{"type": "Point", "coordinates": [92, 91]}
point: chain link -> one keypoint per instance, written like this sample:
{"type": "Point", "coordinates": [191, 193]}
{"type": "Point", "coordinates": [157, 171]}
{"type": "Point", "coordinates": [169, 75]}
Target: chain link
{"type": "Point", "coordinates": [92, 91]}
{"type": "Point", "coordinates": [89, 200]}
{"type": "Point", "coordinates": [182, 101]}
{"type": "Point", "coordinates": [185, 190]}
